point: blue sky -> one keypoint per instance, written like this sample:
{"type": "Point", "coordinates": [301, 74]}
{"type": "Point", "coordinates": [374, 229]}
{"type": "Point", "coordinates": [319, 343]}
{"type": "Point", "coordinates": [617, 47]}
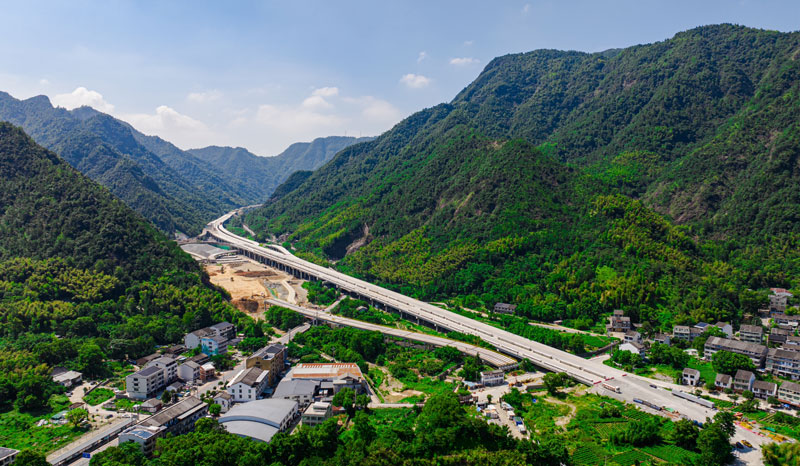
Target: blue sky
{"type": "Point", "coordinates": [265, 74]}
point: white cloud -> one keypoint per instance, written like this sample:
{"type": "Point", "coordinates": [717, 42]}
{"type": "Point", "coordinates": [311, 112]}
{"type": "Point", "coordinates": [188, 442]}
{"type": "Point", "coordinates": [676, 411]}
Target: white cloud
{"type": "Point", "coordinates": [296, 119]}
{"type": "Point", "coordinates": [326, 91]}
{"type": "Point", "coordinates": [44, 82]}
{"type": "Point", "coordinates": [467, 43]}
{"type": "Point", "coordinates": [317, 98]}
{"type": "Point", "coordinates": [415, 81]}
{"type": "Point", "coordinates": [376, 110]}
{"type": "Point", "coordinates": [463, 61]}
{"type": "Point", "coordinates": [526, 9]}
{"type": "Point", "coordinates": [422, 56]}
{"type": "Point", "coordinates": [82, 96]}
{"type": "Point", "coordinates": [175, 127]}
{"type": "Point", "coordinates": [203, 97]}
{"type": "Point", "coordinates": [164, 118]}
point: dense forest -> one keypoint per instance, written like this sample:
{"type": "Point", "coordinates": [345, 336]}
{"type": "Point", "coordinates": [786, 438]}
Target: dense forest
{"type": "Point", "coordinates": [659, 178]}
{"type": "Point", "coordinates": [259, 176]}
{"type": "Point", "coordinates": [83, 279]}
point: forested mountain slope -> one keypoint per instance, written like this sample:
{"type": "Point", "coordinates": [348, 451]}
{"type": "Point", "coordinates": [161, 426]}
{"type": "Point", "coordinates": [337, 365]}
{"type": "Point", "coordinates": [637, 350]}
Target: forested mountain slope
{"type": "Point", "coordinates": [261, 175]}
{"type": "Point", "coordinates": [170, 188]}
{"type": "Point", "coordinates": [78, 263]}
{"type": "Point", "coordinates": [544, 183]}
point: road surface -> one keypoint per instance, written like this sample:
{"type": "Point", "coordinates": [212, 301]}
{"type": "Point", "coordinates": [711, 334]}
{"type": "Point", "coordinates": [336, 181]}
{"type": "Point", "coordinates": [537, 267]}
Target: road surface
{"type": "Point", "coordinates": [490, 357]}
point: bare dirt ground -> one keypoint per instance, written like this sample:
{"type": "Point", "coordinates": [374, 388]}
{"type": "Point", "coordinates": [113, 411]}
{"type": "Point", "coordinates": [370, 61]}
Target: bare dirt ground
{"type": "Point", "coordinates": [392, 389]}
{"type": "Point", "coordinates": [250, 283]}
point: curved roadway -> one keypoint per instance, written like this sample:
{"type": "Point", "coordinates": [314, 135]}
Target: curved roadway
{"type": "Point", "coordinates": [490, 357]}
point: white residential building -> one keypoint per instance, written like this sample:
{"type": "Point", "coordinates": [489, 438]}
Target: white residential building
{"type": "Point", "coordinates": [691, 377]}
{"type": "Point", "coordinates": [145, 383]}
{"type": "Point", "coordinates": [491, 378]}
{"type": "Point", "coordinates": [248, 385]}
{"type": "Point", "coordinates": [169, 365]}
{"type": "Point", "coordinates": [190, 371]}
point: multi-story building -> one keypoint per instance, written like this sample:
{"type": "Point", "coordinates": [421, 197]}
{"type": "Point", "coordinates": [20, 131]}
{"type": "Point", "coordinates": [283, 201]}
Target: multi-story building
{"type": "Point", "coordinates": [491, 378]}
{"type": "Point", "coordinates": [618, 322]}
{"type": "Point", "coordinates": [191, 371]}
{"type": "Point", "coordinates": [785, 319]}
{"type": "Point", "coordinates": [789, 393]}
{"type": "Point", "coordinates": [316, 413]}
{"type": "Point", "coordinates": [723, 381]}
{"type": "Point", "coordinates": [757, 353]}
{"type": "Point", "coordinates": [726, 328]}
{"type": "Point", "coordinates": [684, 332]}
{"type": "Point", "coordinates": [751, 333]}
{"type": "Point", "coordinates": [662, 338]}
{"type": "Point", "coordinates": [271, 359]}
{"type": "Point", "coordinates": [169, 365]}
{"type": "Point", "coordinates": [224, 400]}
{"type": "Point", "coordinates": [145, 383]}
{"type": "Point", "coordinates": [743, 380]}
{"type": "Point", "coordinates": [777, 335]}
{"type": "Point", "coordinates": [792, 342]}
{"type": "Point", "coordinates": [176, 420]}
{"type": "Point", "coordinates": [248, 385]}
{"type": "Point", "coordinates": [783, 363]}
{"type": "Point", "coordinates": [633, 336]}
{"type": "Point", "coordinates": [7, 456]}
{"type": "Point", "coordinates": [778, 300]}
{"type": "Point", "coordinates": [224, 330]}
{"type": "Point", "coordinates": [691, 377]}
{"type": "Point", "coordinates": [192, 339]}
{"type": "Point", "coordinates": [213, 345]}
{"type": "Point", "coordinates": [505, 308]}
{"type": "Point", "coordinates": [764, 390]}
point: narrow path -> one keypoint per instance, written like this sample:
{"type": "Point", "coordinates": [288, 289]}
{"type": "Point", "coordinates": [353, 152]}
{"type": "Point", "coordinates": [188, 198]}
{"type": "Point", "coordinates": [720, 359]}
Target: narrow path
{"type": "Point", "coordinates": [563, 420]}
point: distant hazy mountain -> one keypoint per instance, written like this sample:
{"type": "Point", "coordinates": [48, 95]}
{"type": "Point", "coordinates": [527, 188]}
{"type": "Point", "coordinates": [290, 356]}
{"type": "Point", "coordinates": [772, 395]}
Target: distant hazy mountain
{"type": "Point", "coordinates": [261, 175]}
{"type": "Point", "coordinates": [166, 185]}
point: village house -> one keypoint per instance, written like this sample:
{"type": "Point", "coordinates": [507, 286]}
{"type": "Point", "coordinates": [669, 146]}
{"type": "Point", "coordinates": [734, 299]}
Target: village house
{"type": "Point", "coordinates": [723, 381]}
{"type": "Point", "coordinates": [777, 336]}
{"type": "Point", "coordinates": [491, 378]}
{"type": "Point", "coordinates": [662, 338]}
{"type": "Point", "coordinates": [789, 393]}
{"type": "Point", "coordinates": [224, 400]}
{"type": "Point", "coordinates": [726, 328]}
{"type": "Point", "coordinates": [504, 308]}
{"type": "Point", "coordinates": [691, 377]}
{"type": "Point", "coordinates": [785, 319]}
{"type": "Point", "coordinates": [684, 332]}
{"type": "Point", "coordinates": [764, 390]}
{"type": "Point", "coordinates": [618, 322]}
{"type": "Point", "coordinates": [743, 380]}
{"type": "Point", "coordinates": [633, 347]}
{"type": "Point", "coordinates": [783, 363]}
{"type": "Point", "coordinates": [633, 336]}
{"type": "Point", "coordinates": [751, 333]}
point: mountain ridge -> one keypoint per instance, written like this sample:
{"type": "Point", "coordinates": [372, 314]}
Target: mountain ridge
{"type": "Point", "coordinates": [641, 133]}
